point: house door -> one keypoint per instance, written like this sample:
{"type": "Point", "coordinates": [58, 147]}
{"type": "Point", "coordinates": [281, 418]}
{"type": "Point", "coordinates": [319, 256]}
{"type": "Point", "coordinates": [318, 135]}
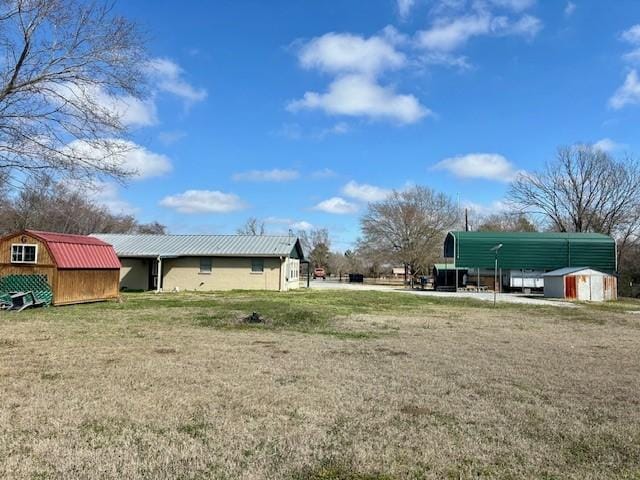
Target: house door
{"type": "Point", "coordinates": [153, 274]}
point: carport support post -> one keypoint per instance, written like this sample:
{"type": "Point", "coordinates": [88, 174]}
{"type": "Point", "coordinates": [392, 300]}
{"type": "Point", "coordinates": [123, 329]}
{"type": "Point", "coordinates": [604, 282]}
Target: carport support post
{"type": "Point", "coordinates": [495, 280]}
{"type": "Point", "coordinates": [159, 280]}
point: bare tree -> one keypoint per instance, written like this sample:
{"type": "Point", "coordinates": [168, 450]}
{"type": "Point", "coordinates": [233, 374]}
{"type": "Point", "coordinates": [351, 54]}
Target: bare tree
{"type": "Point", "coordinates": [338, 263]}
{"type": "Point", "coordinates": [316, 245]}
{"type": "Point", "coordinates": [252, 226]}
{"type": "Point", "coordinates": [69, 70]}
{"type": "Point", "coordinates": [584, 190]}
{"type": "Point", "coordinates": [506, 222]}
{"type": "Point", "coordinates": [152, 228]}
{"type": "Point", "coordinates": [408, 227]}
{"type": "Point", "coordinates": [44, 204]}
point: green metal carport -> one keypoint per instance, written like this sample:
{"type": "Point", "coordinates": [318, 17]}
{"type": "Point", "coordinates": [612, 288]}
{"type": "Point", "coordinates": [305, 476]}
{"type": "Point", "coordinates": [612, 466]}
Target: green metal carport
{"type": "Point", "coordinates": [539, 251]}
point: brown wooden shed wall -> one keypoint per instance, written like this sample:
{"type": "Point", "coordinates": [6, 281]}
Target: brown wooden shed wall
{"type": "Point", "coordinates": [79, 286]}
{"type": "Point", "coordinates": [44, 257]}
{"type": "Point", "coordinates": [68, 286]}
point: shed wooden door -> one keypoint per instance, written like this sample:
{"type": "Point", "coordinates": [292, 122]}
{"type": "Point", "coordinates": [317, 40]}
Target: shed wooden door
{"type": "Point", "coordinates": [570, 288]}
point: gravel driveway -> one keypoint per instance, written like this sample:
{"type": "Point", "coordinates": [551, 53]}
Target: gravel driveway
{"type": "Point", "coordinates": [485, 296]}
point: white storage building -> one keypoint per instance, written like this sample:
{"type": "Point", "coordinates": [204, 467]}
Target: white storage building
{"type": "Point", "coordinates": [580, 283]}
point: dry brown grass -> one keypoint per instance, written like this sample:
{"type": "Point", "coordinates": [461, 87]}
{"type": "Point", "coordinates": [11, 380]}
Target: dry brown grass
{"type": "Point", "coordinates": [145, 389]}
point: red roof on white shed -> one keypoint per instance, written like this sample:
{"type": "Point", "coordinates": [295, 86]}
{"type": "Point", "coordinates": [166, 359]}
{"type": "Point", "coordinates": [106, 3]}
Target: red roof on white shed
{"type": "Point", "coordinates": [78, 251]}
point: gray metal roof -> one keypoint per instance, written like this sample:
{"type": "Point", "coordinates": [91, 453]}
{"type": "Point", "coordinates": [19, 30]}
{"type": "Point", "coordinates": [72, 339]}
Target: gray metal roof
{"type": "Point", "coordinates": [561, 272]}
{"type": "Point", "coordinates": [127, 245]}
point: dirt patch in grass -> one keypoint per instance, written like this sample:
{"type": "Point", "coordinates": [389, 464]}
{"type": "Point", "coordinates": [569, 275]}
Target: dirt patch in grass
{"type": "Point", "coordinates": [165, 350]}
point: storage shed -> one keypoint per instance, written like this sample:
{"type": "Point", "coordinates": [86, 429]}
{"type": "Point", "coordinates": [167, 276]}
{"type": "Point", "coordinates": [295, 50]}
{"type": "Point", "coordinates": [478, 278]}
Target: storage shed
{"type": "Point", "coordinates": [77, 268]}
{"type": "Point", "coordinates": [580, 283]}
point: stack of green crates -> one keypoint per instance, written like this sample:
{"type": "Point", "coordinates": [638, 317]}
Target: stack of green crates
{"type": "Point", "coordinates": [26, 283]}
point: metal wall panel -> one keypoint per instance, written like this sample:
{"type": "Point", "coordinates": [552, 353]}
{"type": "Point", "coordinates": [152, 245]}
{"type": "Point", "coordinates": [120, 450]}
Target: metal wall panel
{"type": "Point", "coordinates": [535, 251]}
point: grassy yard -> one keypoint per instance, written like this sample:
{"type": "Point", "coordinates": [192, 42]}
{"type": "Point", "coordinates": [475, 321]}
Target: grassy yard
{"type": "Point", "coordinates": [333, 385]}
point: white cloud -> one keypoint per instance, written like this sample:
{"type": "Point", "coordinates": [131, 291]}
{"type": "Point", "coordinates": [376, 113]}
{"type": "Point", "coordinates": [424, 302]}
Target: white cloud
{"type": "Point", "coordinates": [497, 206]}
{"type": "Point", "coordinates": [515, 5]}
{"type": "Point", "coordinates": [340, 128]}
{"type": "Point", "coordinates": [628, 93]}
{"type": "Point", "coordinates": [632, 57]}
{"type": "Point", "coordinates": [355, 91]}
{"type": "Point", "coordinates": [569, 9]}
{"type": "Point", "coordinates": [295, 131]}
{"type": "Point", "coordinates": [289, 223]}
{"type": "Point", "coordinates": [448, 60]}
{"type": "Point", "coordinates": [302, 225]}
{"type": "Point", "coordinates": [108, 195]}
{"type": "Point", "coordinates": [131, 111]}
{"type": "Point", "coordinates": [131, 157]}
{"type": "Point", "coordinates": [359, 95]}
{"type": "Point", "coordinates": [632, 35]}
{"type": "Point", "coordinates": [101, 193]}
{"type": "Point", "coordinates": [167, 77]}
{"type": "Point", "coordinates": [527, 26]}
{"type": "Point", "coordinates": [203, 201]}
{"type": "Point", "coordinates": [336, 205]}
{"type": "Point", "coordinates": [607, 145]}
{"type": "Point", "coordinates": [171, 137]}
{"type": "Point", "coordinates": [405, 7]}
{"type": "Point", "coordinates": [364, 192]}
{"type": "Point", "coordinates": [275, 175]}
{"type": "Point", "coordinates": [452, 33]}
{"type": "Point", "coordinates": [344, 52]}
{"type": "Point", "coordinates": [490, 166]}
{"type": "Point", "coordinates": [323, 173]}
{"type": "Point", "coordinates": [124, 109]}
{"type": "Point", "coordinates": [164, 76]}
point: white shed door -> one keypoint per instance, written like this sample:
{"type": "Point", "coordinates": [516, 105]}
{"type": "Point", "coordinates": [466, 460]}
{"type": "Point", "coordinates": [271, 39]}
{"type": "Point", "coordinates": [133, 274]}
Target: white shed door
{"type": "Point", "coordinates": [583, 287]}
{"type": "Point", "coordinates": [597, 288]}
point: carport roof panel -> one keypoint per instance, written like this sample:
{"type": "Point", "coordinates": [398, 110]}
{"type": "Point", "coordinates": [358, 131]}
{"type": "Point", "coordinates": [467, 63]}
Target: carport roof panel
{"type": "Point", "coordinates": [532, 250]}
{"type": "Point", "coordinates": [134, 245]}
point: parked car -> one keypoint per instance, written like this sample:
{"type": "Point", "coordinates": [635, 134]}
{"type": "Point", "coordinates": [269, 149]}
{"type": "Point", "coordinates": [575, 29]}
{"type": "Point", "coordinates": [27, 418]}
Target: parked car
{"type": "Point", "coordinates": [319, 272]}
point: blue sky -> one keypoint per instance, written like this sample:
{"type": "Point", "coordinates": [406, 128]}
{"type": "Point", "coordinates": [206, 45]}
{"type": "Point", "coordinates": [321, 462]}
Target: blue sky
{"type": "Point", "coordinates": [299, 112]}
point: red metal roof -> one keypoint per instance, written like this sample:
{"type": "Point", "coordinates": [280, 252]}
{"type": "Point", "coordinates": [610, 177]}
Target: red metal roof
{"type": "Point", "coordinates": [78, 251]}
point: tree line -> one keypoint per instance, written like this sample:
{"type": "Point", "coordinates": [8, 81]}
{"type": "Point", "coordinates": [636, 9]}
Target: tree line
{"type": "Point", "coordinates": [47, 205]}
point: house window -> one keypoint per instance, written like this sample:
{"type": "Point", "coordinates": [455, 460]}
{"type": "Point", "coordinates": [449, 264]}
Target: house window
{"type": "Point", "coordinates": [257, 265]}
{"type": "Point", "coordinates": [205, 265]}
{"type": "Point", "coordinates": [22, 253]}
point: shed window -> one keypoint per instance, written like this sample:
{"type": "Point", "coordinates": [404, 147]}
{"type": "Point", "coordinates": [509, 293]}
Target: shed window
{"type": "Point", "coordinates": [257, 265]}
{"type": "Point", "coordinates": [24, 253]}
{"type": "Point", "coordinates": [205, 265]}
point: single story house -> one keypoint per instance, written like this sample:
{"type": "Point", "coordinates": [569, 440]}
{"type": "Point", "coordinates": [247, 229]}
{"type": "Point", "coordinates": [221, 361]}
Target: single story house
{"type": "Point", "coordinates": [207, 262]}
{"type": "Point", "coordinates": [59, 268]}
